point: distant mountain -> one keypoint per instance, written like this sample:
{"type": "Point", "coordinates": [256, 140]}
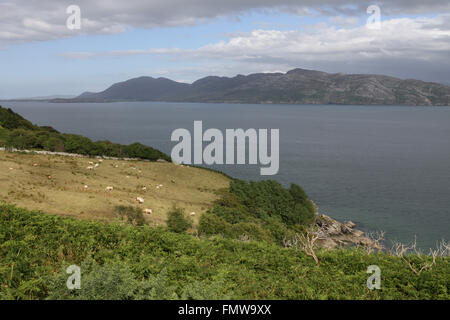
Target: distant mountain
{"type": "Point", "coordinates": [298, 86]}
{"type": "Point", "coordinates": [43, 98]}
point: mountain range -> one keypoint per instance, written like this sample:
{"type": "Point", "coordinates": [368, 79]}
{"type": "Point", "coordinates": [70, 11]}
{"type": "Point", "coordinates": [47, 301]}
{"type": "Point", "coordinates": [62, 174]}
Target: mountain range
{"type": "Point", "coordinates": [298, 86]}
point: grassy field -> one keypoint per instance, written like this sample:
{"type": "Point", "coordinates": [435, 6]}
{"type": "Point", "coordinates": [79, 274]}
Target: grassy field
{"type": "Point", "coordinates": [56, 184]}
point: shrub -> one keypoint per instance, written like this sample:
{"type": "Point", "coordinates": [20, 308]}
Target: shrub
{"type": "Point", "coordinates": [11, 120]}
{"type": "Point", "coordinates": [133, 215]}
{"type": "Point", "coordinates": [21, 139]}
{"type": "Point", "coordinates": [210, 224]}
{"type": "Point", "coordinates": [112, 281]}
{"type": "Point", "coordinates": [178, 221]}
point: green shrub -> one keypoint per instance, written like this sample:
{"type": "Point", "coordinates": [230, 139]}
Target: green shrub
{"type": "Point", "coordinates": [259, 210]}
{"type": "Point", "coordinates": [178, 221]}
{"type": "Point", "coordinates": [111, 281]}
{"type": "Point", "coordinates": [11, 120]}
{"type": "Point", "coordinates": [133, 215]}
{"type": "Point", "coordinates": [210, 224]}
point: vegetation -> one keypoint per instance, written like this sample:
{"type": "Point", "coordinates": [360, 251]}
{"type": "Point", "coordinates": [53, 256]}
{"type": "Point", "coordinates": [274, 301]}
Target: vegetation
{"type": "Point", "coordinates": [21, 134]}
{"type": "Point", "coordinates": [178, 221]}
{"type": "Point", "coordinates": [127, 262]}
{"type": "Point", "coordinates": [131, 214]}
{"type": "Point", "coordinates": [261, 210]}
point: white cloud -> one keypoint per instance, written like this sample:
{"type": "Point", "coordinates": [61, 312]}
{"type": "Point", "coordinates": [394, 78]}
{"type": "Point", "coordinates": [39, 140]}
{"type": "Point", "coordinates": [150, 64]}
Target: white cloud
{"type": "Point", "coordinates": [423, 39]}
{"type": "Point", "coordinates": [27, 20]}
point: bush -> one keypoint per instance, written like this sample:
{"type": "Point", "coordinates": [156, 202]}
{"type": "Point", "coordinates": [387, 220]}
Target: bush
{"type": "Point", "coordinates": [178, 221]}
{"type": "Point", "coordinates": [133, 215]}
{"type": "Point", "coordinates": [259, 210]}
{"type": "Point", "coordinates": [11, 120]}
{"type": "Point", "coordinates": [210, 224]}
{"type": "Point", "coordinates": [112, 281]}
{"type": "Point", "coordinates": [21, 139]}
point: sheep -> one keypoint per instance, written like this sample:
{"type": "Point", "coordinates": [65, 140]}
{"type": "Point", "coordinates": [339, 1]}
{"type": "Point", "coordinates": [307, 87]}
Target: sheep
{"type": "Point", "coordinates": [90, 168]}
{"type": "Point", "coordinates": [139, 200]}
{"type": "Point", "coordinates": [148, 211]}
{"type": "Point", "coordinates": [192, 214]}
{"type": "Point", "coordinates": [85, 187]}
{"type": "Point", "coordinates": [90, 163]}
{"type": "Point", "coordinates": [144, 188]}
{"type": "Point", "coordinates": [96, 165]}
{"type": "Point", "coordinates": [109, 188]}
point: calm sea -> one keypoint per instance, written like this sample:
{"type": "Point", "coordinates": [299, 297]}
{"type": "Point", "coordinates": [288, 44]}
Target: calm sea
{"type": "Point", "coordinates": [383, 167]}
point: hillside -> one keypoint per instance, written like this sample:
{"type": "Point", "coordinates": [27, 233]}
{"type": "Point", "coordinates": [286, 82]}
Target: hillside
{"type": "Point", "coordinates": [298, 86]}
{"type": "Point", "coordinates": [17, 132]}
{"type": "Point", "coordinates": [56, 184]}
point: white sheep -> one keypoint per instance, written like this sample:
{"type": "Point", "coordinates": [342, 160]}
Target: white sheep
{"type": "Point", "coordinates": [140, 200]}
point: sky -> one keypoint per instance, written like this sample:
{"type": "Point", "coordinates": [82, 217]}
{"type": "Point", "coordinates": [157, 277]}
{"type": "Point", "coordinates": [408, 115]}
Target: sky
{"type": "Point", "coordinates": [185, 40]}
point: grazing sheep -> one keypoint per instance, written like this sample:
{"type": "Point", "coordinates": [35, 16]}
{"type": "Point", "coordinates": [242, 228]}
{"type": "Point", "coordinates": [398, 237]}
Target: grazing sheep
{"type": "Point", "coordinates": [85, 187]}
{"type": "Point", "coordinates": [90, 163]}
{"type": "Point", "coordinates": [139, 200]}
{"type": "Point", "coordinates": [148, 211]}
{"type": "Point", "coordinates": [90, 168]}
{"type": "Point", "coordinates": [96, 165]}
{"type": "Point", "coordinates": [35, 164]}
{"type": "Point", "coordinates": [144, 188]}
{"type": "Point", "coordinates": [192, 214]}
{"type": "Point", "coordinates": [109, 188]}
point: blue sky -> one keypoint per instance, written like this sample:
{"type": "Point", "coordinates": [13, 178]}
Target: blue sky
{"type": "Point", "coordinates": [251, 40]}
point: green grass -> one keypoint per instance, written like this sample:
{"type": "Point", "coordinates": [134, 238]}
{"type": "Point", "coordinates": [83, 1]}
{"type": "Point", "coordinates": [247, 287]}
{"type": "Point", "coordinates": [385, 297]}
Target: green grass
{"type": "Point", "coordinates": [35, 248]}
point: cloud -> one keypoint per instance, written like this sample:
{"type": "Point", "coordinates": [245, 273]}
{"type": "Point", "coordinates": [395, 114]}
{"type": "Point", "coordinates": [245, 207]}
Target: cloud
{"type": "Point", "coordinates": [416, 48]}
{"type": "Point", "coordinates": [30, 20]}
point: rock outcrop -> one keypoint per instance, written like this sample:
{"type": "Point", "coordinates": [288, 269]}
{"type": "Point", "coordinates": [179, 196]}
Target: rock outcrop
{"type": "Point", "coordinates": [333, 234]}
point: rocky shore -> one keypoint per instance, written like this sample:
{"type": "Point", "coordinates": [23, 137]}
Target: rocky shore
{"type": "Point", "coordinates": [333, 234]}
